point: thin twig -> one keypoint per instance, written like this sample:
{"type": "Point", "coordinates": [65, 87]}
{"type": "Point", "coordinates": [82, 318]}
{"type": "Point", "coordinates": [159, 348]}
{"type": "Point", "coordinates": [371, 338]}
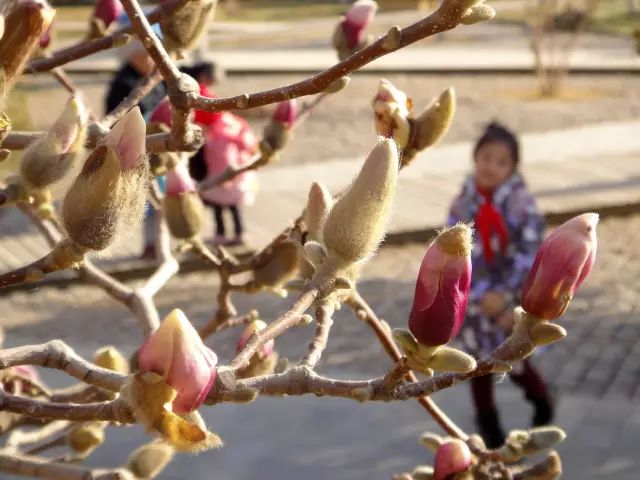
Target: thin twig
{"type": "Point", "coordinates": [168, 264]}
{"type": "Point", "coordinates": [58, 355]}
{"type": "Point", "coordinates": [19, 464]}
{"type": "Point", "coordinates": [324, 319]}
{"type": "Point", "coordinates": [112, 411]}
{"type": "Point", "coordinates": [445, 18]}
{"type": "Point", "coordinates": [84, 48]}
{"type": "Point", "coordinates": [358, 304]}
{"type": "Point", "coordinates": [20, 438]}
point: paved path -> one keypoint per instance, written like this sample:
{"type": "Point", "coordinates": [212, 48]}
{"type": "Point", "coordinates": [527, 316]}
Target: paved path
{"type": "Point", "coordinates": [568, 170]}
{"type": "Point", "coordinates": [303, 46]}
{"type": "Point", "coordinates": [596, 371]}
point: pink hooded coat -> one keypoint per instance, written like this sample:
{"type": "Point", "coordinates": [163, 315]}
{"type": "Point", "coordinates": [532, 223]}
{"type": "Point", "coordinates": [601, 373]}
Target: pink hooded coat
{"type": "Point", "coordinates": [230, 143]}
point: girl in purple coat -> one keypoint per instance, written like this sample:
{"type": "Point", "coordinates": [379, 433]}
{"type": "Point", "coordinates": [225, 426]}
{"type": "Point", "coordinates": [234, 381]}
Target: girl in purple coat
{"type": "Point", "coordinates": [509, 230]}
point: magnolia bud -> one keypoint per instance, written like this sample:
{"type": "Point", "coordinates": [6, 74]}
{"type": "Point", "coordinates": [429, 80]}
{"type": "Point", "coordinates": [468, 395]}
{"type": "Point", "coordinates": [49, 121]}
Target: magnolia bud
{"type": "Point", "coordinates": [110, 358]}
{"type": "Point", "coordinates": [85, 437]}
{"type": "Point", "coordinates": [357, 19]}
{"type": "Point", "coordinates": [286, 113]}
{"type": "Point", "coordinates": [183, 208]}
{"type": "Point", "coordinates": [337, 85]}
{"type": "Point", "coordinates": [107, 11]}
{"type": "Point", "coordinates": [432, 123]}
{"type": "Point", "coordinates": [26, 21]}
{"type": "Point", "coordinates": [431, 441]}
{"type": "Point", "coordinates": [391, 108]}
{"type": "Point", "coordinates": [162, 113]}
{"type": "Point", "coordinates": [280, 268]}
{"type": "Point", "coordinates": [276, 135]}
{"type": "Point", "coordinates": [50, 157]}
{"type": "Point", "coordinates": [442, 287]}
{"type": "Point", "coordinates": [452, 457]}
{"type": "Point", "coordinates": [253, 327]}
{"type": "Point", "coordinates": [152, 401]}
{"type": "Point", "coordinates": [175, 351]}
{"type": "Point", "coordinates": [356, 224]}
{"type": "Point", "coordinates": [562, 263]}
{"type": "Point", "coordinates": [186, 26]}
{"type": "Point", "coordinates": [478, 13]}
{"type": "Point", "coordinates": [318, 206]}
{"type": "Point", "coordinates": [111, 186]}
{"type": "Point", "coordinates": [422, 472]}
{"type": "Point", "coordinates": [149, 460]}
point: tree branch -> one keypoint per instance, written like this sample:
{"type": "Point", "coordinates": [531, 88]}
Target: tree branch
{"type": "Point", "coordinates": [111, 411]}
{"type": "Point", "coordinates": [362, 308]}
{"type": "Point", "coordinates": [84, 48]}
{"type": "Point", "coordinates": [58, 355]}
{"type": "Point", "coordinates": [168, 264]}
{"type": "Point", "coordinates": [443, 19]}
{"type": "Point", "coordinates": [19, 464]}
{"type": "Point", "coordinates": [324, 319]}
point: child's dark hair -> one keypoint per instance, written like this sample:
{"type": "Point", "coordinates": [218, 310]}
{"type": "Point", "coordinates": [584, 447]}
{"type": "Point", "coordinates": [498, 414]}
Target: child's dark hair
{"type": "Point", "coordinates": [495, 132]}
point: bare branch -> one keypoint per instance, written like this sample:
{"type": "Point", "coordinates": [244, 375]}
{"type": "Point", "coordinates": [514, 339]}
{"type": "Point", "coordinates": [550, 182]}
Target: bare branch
{"type": "Point", "coordinates": [168, 264]}
{"type": "Point", "coordinates": [324, 320]}
{"type": "Point", "coordinates": [84, 48]}
{"type": "Point", "coordinates": [58, 355]}
{"type": "Point", "coordinates": [20, 438]}
{"type": "Point", "coordinates": [16, 463]}
{"type": "Point", "coordinates": [361, 307]}
{"type": "Point", "coordinates": [284, 322]}
{"type": "Point", "coordinates": [443, 19]}
{"type": "Point", "coordinates": [112, 411]}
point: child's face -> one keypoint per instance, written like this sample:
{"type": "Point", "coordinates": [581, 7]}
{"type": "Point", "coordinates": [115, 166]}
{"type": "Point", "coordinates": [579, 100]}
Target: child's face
{"type": "Point", "coordinates": [494, 164]}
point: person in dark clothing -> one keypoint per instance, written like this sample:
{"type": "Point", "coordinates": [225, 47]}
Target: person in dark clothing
{"type": "Point", "coordinates": [137, 66]}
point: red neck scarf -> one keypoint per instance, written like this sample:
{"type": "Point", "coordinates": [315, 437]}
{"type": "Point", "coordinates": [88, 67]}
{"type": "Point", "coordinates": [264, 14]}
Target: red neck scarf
{"type": "Point", "coordinates": [489, 221]}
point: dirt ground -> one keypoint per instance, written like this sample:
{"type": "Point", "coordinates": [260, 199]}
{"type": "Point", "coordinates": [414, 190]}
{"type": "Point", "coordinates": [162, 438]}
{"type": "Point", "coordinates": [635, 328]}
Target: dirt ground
{"type": "Point", "coordinates": [342, 126]}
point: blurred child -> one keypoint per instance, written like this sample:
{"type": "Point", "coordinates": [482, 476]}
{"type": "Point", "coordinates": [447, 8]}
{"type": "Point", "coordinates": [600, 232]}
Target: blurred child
{"type": "Point", "coordinates": [509, 230]}
{"type": "Point", "coordinates": [230, 143]}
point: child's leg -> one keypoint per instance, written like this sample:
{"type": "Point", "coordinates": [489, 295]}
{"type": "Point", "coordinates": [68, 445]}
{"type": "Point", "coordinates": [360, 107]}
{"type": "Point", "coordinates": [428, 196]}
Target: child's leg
{"type": "Point", "coordinates": [486, 412]}
{"type": "Point", "coordinates": [237, 222]}
{"type": "Point", "coordinates": [535, 390]}
{"type": "Point", "coordinates": [217, 212]}
{"type": "Point", "coordinates": [149, 233]}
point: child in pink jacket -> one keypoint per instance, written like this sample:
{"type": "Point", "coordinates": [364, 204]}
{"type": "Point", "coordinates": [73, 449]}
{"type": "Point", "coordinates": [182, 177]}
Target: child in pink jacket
{"type": "Point", "coordinates": [230, 143]}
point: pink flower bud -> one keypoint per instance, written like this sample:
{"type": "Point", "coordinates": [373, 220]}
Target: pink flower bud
{"type": "Point", "coordinates": [162, 113]}
{"type": "Point", "coordinates": [176, 352]}
{"type": "Point", "coordinates": [107, 11]}
{"type": "Point", "coordinates": [127, 138]}
{"type": "Point", "coordinates": [26, 371]}
{"type": "Point", "coordinates": [442, 288]}
{"type": "Point", "coordinates": [451, 457]}
{"type": "Point", "coordinates": [286, 112]}
{"type": "Point", "coordinates": [253, 327]}
{"type": "Point", "coordinates": [45, 38]}
{"type": "Point", "coordinates": [563, 261]}
{"type": "Point", "coordinates": [179, 181]}
{"type": "Point", "coordinates": [357, 19]}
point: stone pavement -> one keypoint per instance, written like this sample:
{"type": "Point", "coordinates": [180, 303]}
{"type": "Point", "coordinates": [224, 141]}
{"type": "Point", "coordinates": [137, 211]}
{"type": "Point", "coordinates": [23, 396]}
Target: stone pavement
{"type": "Point", "coordinates": [582, 168]}
{"type": "Point", "coordinates": [304, 46]}
{"type": "Point", "coordinates": [595, 371]}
